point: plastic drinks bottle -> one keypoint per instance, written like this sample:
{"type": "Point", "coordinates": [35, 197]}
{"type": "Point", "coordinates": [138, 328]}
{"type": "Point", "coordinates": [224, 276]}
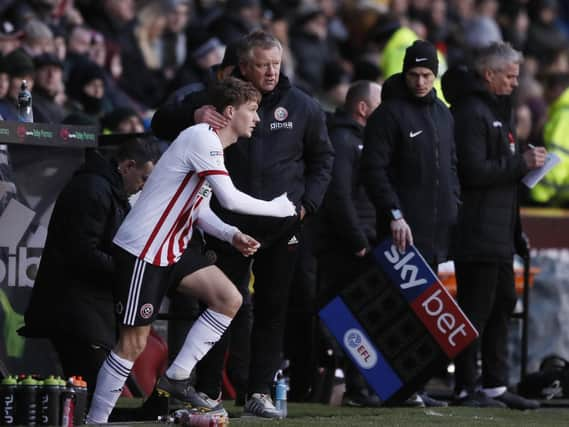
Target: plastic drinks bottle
{"type": "Point", "coordinates": [26, 402]}
{"type": "Point", "coordinates": [49, 402]}
{"type": "Point", "coordinates": [280, 396]}
{"type": "Point", "coordinates": [80, 386]}
{"type": "Point", "coordinates": [67, 405]}
{"type": "Point", "coordinates": [186, 418]}
{"type": "Point", "coordinates": [8, 388]}
{"type": "Point", "coordinates": [25, 112]}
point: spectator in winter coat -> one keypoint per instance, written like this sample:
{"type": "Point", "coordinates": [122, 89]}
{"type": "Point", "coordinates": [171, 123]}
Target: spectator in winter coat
{"type": "Point", "coordinates": [49, 90]}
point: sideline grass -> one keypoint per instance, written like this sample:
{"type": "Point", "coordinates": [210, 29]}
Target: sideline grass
{"type": "Point", "coordinates": [323, 415]}
{"type": "Point", "coordinates": [307, 414]}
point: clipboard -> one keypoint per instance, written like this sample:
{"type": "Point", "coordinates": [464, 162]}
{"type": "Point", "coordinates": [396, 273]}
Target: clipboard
{"type": "Point", "coordinates": [534, 176]}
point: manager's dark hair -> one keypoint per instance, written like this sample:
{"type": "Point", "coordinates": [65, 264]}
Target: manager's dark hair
{"type": "Point", "coordinates": [138, 149]}
{"type": "Point", "coordinates": [358, 91]}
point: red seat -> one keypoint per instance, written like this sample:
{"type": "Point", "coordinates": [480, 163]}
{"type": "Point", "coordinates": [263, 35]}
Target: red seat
{"type": "Point", "coordinates": [149, 366]}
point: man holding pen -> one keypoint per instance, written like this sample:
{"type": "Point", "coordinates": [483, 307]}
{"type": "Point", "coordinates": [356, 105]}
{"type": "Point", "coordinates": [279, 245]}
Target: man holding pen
{"type": "Point", "coordinates": [490, 169]}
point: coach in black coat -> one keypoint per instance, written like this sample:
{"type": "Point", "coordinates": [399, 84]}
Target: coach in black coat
{"type": "Point", "coordinates": [409, 159]}
{"type": "Point", "coordinates": [347, 217]}
{"type": "Point", "coordinates": [72, 299]}
{"type": "Point", "coordinates": [490, 169]}
{"type": "Point", "coordinates": [289, 151]}
{"type": "Point", "coordinates": [346, 221]}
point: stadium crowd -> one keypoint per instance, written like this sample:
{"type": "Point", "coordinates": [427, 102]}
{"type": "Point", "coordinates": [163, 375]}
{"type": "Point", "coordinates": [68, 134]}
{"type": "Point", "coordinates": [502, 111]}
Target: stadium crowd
{"type": "Point", "coordinates": [114, 59]}
{"type": "Point", "coordinates": [115, 63]}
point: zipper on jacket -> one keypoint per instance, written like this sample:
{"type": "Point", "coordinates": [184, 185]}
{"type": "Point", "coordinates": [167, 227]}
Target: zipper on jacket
{"type": "Point", "coordinates": [437, 181]}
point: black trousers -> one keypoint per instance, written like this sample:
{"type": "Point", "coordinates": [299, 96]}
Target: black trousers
{"type": "Point", "coordinates": [486, 293]}
{"type": "Point", "coordinates": [79, 358]}
{"type": "Point", "coordinates": [301, 321]}
{"type": "Point", "coordinates": [257, 346]}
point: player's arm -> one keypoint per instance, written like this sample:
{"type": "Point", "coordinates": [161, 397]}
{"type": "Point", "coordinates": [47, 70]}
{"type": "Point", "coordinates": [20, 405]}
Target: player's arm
{"type": "Point", "coordinates": [209, 222]}
{"type": "Point", "coordinates": [205, 155]}
{"type": "Point", "coordinates": [234, 200]}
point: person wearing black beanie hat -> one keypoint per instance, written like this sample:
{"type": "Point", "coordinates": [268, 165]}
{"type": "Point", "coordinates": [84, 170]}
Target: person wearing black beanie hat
{"type": "Point", "coordinates": [86, 88]}
{"type": "Point", "coordinates": [421, 54]}
{"type": "Point", "coordinates": [409, 165]}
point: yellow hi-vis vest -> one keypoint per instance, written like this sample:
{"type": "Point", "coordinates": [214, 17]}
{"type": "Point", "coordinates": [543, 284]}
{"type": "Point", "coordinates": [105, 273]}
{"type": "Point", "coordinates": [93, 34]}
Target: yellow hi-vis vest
{"type": "Point", "coordinates": [554, 187]}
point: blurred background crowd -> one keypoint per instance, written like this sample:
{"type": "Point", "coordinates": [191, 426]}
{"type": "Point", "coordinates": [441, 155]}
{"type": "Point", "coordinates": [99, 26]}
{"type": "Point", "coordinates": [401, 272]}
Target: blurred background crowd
{"type": "Point", "coordinates": [113, 62]}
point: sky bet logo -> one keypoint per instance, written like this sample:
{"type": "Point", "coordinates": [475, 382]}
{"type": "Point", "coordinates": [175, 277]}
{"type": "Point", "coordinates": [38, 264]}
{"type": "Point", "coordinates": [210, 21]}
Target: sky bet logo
{"type": "Point", "coordinates": [408, 270]}
{"type": "Point", "coordinates": [427, 296]}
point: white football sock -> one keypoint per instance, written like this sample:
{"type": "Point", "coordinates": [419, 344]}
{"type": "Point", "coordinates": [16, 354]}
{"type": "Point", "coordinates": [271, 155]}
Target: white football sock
{"type": "Point", "coordinates": [110, 382]}
{"type": "Point", "coordinates": [205, 332]}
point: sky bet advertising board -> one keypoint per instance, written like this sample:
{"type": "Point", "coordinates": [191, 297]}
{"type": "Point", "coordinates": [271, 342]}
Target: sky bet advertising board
{"type": "Point", "coordinates": [433, 324]}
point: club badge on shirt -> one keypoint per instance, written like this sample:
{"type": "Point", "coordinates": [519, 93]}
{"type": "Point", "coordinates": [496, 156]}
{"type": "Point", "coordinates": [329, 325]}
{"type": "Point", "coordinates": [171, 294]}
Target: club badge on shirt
{"type": "Point", "coordinates": [281, 114]}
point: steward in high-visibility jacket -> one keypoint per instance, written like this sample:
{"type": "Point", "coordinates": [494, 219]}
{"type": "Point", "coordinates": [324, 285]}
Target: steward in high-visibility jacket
{"type": "Point", "coordinates": [553, 189]}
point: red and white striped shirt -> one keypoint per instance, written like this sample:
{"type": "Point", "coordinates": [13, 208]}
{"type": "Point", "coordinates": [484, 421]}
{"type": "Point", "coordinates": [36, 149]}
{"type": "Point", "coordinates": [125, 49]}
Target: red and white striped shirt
{"type": "Point", "coordinates": [159, 226]}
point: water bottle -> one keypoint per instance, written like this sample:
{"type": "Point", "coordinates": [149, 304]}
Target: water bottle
{"type": "Point", "coordinates": [280, 396]}
{"type": "Point", "coordinates": [26, 402]}
{"type": "Point", "coordinates": [8, 388]}
{"type": "Point", "coordinates": [187, 418]}
{"type": "Point", "coordinates": [49, 402]}
{"type": "Point", "coordinates": [67, 405]}
{"type": "Point", "coordinates": [25, 112]}
{"type": "Point", "coordinates": [80, 386]}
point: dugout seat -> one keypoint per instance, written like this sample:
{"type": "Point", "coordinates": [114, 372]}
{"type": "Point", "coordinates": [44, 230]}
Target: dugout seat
{"type": "Point", "coordinates": [150, 365]}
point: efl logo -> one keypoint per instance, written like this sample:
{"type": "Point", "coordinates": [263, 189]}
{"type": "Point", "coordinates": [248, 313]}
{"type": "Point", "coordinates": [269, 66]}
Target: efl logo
{"type": "Point", "coordinates": [358, 346]}
{"type": "Point", "coordinates": [444, 319]}
{"type": "Point", "coordinates": [408, 270]}
{"type": "Point", "coordinates": [361, 349]}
